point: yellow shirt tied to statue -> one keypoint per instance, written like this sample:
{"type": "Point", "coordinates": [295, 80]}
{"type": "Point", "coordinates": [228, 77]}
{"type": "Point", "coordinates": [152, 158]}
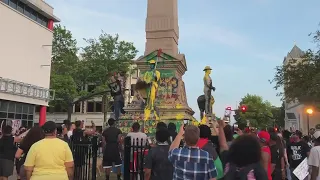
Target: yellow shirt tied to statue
{"type": "Point", "coordinates": [48, 156]}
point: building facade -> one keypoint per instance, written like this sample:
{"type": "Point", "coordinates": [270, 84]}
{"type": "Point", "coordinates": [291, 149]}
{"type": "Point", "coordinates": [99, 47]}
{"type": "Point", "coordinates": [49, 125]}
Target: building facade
{"type": "Point", "coordinates": [92, 109]}
{"type": "Point", "coordinates": [25, 58]}
{"type": "Point", "coordinates": [296, 116]}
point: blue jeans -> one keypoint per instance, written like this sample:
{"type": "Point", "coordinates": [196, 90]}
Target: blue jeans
{"type": "Point", "coordinates": [118, 107]}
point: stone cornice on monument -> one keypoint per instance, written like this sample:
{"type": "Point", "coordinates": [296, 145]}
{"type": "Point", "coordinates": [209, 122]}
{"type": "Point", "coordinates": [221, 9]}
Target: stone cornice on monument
{"type": "Point", "coordinates": [166, 61]}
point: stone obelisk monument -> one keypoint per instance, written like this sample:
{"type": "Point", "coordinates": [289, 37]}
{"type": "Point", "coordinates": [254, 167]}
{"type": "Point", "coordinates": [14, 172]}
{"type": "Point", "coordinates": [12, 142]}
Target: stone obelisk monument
{"type": "Point", "coordinates": [162, 32]}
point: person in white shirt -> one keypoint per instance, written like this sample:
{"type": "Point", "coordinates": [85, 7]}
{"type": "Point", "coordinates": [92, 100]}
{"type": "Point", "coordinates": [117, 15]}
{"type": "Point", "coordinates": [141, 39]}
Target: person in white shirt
{"type": "Point", "coordinates": [70, 132]}
{"type": "Point", "coordinates": [314, 157]}
{"type": "Point", "coordinates": [137, 135]}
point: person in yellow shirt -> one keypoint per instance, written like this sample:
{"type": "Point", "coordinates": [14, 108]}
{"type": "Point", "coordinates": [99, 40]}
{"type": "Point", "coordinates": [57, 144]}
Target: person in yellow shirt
{"type": "Point", "coordinates": [49, 158]}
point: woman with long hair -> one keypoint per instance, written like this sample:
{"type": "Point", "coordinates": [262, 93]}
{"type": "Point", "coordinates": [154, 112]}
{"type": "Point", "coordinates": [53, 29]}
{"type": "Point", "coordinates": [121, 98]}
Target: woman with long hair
{"type": "Point", "coordinates": [49, 158]}
{"type": "Point", "coordinates": [34, 135]}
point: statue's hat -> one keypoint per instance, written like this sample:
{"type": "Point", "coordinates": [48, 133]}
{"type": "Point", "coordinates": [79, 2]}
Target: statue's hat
{"type": "Point", "coordinates": [152, 61]}
{"type": "Point", "coordinates": [207, 68]}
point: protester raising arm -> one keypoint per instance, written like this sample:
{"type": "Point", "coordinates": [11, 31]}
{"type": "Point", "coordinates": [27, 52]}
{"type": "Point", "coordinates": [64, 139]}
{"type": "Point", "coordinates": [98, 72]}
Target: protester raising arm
{"type": "Point", "coordinates": [222, 138]}
{"type": "Point", "coordinates": [175, 144]}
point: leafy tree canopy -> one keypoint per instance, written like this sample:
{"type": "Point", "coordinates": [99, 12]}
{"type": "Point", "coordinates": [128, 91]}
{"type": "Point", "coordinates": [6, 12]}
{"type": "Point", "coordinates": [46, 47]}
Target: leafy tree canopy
{"type": "Point", "coordinates": [105, 56]}
{"type": "Point", "coordinates": [258, 112]}
{"type": "Point", "coordinates": [63, 67]}
{"type": "Point", "coordinates": [300, 77]}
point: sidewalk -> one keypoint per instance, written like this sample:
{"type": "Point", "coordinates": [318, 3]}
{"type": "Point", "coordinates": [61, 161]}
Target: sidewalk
{"type": "Point", "coordinates": [112, 177]}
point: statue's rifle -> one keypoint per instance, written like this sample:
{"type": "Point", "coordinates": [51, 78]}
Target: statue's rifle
{"type": "Point", "coordinates": [153, 74]}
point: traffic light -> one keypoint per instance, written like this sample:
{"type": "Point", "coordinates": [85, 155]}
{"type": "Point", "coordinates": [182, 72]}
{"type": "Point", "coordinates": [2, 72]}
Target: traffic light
{"type": "Point", "coordinates": [243, 108]}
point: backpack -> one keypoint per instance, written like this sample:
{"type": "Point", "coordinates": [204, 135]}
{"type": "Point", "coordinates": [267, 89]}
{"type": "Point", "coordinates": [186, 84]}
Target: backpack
{"type": "Point", "coordinates": [235, 173]}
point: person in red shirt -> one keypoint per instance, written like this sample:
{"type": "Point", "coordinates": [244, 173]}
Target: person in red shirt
{"type": "Point", "coordinates": [264, 138]}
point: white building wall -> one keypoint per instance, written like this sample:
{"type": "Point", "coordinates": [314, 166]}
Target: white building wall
{"type": "Point", "coordinates": [25, 46]}
{"type": "Point", "coordinates": [97, 118]}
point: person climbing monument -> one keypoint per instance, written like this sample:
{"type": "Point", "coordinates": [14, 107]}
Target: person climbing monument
{"type": "Point", "coordinates": [207, 90]}
{"type": "Point", "coordinates": [151, 77]}
{"type": "Point", "coordinates": [116, 93]}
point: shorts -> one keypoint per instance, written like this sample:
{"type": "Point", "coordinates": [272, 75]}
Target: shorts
{"type": "Point", "coordinates": [111, 156]}
{"type": "Point", "coordinates": [6, 167]}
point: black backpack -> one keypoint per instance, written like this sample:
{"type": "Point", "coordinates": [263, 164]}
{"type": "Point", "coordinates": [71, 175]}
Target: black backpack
{"type": "Point", "coordinates": [236, 173]}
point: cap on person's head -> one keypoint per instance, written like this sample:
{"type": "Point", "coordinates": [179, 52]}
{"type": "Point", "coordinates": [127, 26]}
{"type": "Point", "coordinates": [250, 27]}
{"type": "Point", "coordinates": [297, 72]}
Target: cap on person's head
{"type": "Point", "coordinates": [316, 134]}
{"type": "Point", "coordinates": [49, 127]}
{"type": "Point", "coordinates": [264, 136]}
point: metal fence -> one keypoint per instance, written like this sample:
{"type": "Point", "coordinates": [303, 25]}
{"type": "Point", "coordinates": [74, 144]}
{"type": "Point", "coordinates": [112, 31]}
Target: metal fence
{"type": "Point", "coordinates": [85, 158]}
{"type": "Point", "coordinates": [134, 158]}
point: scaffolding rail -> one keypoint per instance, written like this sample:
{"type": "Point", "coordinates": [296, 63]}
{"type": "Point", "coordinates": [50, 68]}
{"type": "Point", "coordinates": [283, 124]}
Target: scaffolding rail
{"type": "Point", "coordinates": [27, 90]}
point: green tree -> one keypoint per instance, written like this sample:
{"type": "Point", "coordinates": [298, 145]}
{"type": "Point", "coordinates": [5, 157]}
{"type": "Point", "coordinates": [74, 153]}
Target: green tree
{"type": "Point", "coordinates": [64, 68]}
{"type": "Point", "coordinates": [300, 78]}
{"type": "Point", "coordinates": [278, 114]}
{"type": "Point", "coordinates": [258, 112]}
{"type": "Point", "coordinates": [105, 56]}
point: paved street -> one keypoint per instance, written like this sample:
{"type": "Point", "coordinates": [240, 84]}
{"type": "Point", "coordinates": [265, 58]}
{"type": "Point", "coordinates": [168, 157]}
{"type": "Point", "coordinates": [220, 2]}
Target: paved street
{"type": "Point", "coordinates": [113, 177]}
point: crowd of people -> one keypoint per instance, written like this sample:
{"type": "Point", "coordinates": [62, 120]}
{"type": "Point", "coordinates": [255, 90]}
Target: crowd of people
{"type": "Point", "coordinates": [191, 152]}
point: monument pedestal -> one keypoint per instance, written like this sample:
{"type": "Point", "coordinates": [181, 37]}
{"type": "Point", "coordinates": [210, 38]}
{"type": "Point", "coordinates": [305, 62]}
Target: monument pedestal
{"type": "Point", "coordinates": [171, 102]}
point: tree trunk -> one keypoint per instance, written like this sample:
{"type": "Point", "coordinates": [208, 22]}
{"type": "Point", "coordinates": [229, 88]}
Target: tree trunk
{"type": "Point", "coordinates": [70, 111]}
{"type": "Point", "coordinates": [105, 109]}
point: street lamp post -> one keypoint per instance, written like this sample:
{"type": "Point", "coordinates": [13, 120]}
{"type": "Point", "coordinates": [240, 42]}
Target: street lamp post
{"type": "Point", "coordinates": [309, 112]}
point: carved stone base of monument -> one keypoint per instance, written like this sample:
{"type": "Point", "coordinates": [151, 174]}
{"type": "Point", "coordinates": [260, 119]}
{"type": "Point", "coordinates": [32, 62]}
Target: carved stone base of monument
{"type": "Point", "coordinates": [171, 100]}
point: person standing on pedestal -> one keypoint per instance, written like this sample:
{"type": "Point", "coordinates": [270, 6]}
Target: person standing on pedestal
{"type": "Point", "coordinates": [207, 90]}
{"type": "Point", "coordinates": [116, 93]}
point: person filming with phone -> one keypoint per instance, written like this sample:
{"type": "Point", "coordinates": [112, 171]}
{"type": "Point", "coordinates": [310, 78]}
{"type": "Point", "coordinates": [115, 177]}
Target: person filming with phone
{"type": "Point", "coordinates": [190, 162]}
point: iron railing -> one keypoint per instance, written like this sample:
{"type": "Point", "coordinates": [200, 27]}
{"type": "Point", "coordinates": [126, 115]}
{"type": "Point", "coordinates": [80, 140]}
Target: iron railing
{"type": "Point", "coordinates": [134, 158]}
{"type": "Point", "coordinates": [85, 158]}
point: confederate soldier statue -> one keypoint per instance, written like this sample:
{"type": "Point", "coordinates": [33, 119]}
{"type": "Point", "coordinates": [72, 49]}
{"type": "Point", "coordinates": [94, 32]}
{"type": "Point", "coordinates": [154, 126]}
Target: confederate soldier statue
{"type": "Point", "coordinates": [207, 90]}
{"type": "Point", "coordinates": [202, 104]}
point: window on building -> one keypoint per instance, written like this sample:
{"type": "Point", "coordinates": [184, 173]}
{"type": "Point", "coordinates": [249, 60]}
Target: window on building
{"type": "Point", "coordinates": [133, 87]}
{"type": "Point", "coordinates": [20, 7]}
{"type": "Point", "coordinates": [31, 109]}
{"type": "Point", "coordinates": [98, 106]}
{"type": "Point", "coordinates": [19, 108]}
{"type": "Point", "coordinates": [18, 116]}
{"type": "Point", "coordinates": [291, 116]}
{"type": "Point", "coordinates": [91, 88]}
{"type": "Point", "coordinates": [13, 3]}
{"type": "Point", "coordinates": [58, 108]}
{"type": "Point", "coordinates": [10, 115]}
{"type": "Point", "coordinates": [3, 115]}
{"type": "Point", "coordinates": [77, 107]}
{"type": "Point", "coordinates": [4, 106]}
{"type": "Point", "coordinates": [33, 15]}
{"type": "Point", "coordinates": [5, 1]}
{"type": "Point", "coordinates": [38, 108]}
{"type": "Point", "coordinates": [90, 106]}
{"type": "Point", "coordinates": [28, 11]}
{"type": "Point", "coordinates": [30, 124]}
{"type": "Point", "coordinates": [12, 107]}
{"type": "Point", "coordinates": [25, 109]}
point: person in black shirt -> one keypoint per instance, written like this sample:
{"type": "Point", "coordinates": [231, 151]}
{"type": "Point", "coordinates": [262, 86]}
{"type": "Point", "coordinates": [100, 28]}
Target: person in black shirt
{"type": "Point", "coordinates": [7, 152]}
{"type": "Point", "coordinates": [34, 135]}
{"type": "Point", "coordinates": [157, 165]}
{"type": "Point", "coordinates": [297, 152]}
{"type": "Point", "coordinates": [116, 93]}
{"type": "Point", "coordinates": [277, 159]}
{"type": "Point", "coordinates": [111, 155]}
